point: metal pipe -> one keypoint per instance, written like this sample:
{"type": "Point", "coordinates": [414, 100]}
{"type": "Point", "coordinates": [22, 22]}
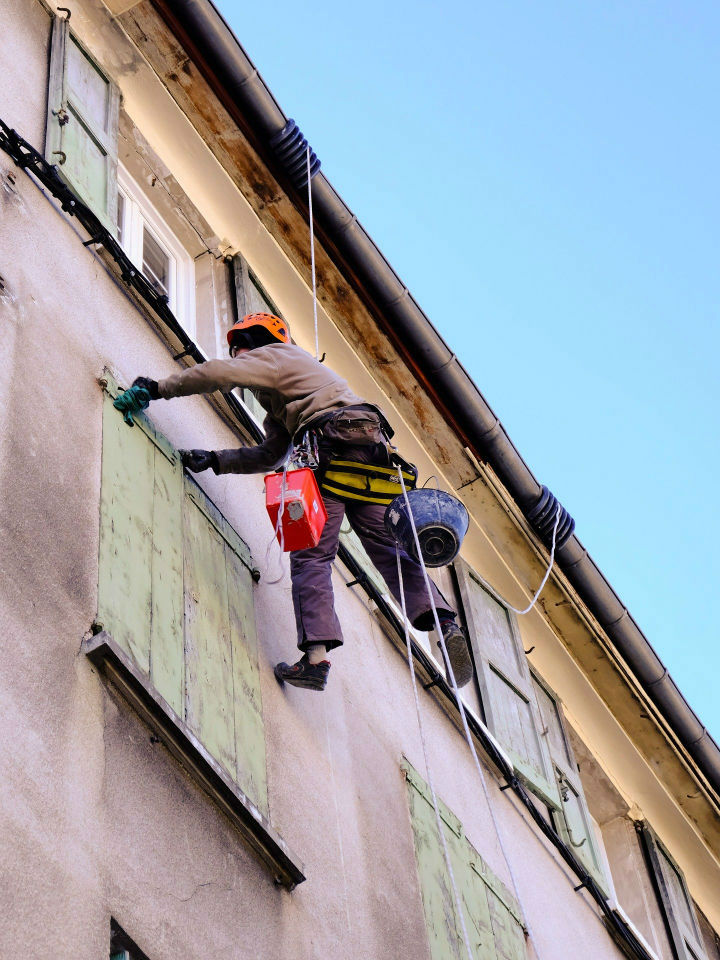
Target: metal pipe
{"type": "Point", "coordinates": [229, 71]}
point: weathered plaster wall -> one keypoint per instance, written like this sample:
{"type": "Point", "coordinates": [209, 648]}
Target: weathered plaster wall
{"type": "Point", "coordinates": [97, 820]}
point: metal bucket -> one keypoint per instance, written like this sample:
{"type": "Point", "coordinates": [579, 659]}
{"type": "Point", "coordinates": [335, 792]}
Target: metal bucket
{"type": "Point", "coordinates": [441, 522]}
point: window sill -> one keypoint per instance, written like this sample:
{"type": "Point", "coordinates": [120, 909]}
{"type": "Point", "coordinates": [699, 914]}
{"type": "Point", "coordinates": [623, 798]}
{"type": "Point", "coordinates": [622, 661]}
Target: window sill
{"type": "Point", "coordinates": [120, 670]}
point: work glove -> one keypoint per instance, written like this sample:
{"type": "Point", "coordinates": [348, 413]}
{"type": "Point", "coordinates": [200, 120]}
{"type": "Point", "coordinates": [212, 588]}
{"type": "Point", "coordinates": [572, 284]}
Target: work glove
{"type": "Point", "coordinates": [132, 401]}
{"type": "Point", "coordinates": [147, 384]}
{"type": "Point", "coordinates": [199, 460]}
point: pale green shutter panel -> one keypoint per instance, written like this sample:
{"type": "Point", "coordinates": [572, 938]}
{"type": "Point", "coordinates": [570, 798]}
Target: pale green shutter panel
{"type": "Point", "coordinates": [140, 565]}
{"type": "Point", "coordinates": [573, 820]}
{"type": "Point", "coordinates": [675, 899]}
{"type": "Point", "coordinates": [492, 915]}
{"type": "Point", "coordinates": [503, 673]}
{"type": "Point", "coordinates": [222, 680]}
{"type": "Point", "coordinates": [175, 591]}
{"type": "Point", "coordinates": [82, 125]}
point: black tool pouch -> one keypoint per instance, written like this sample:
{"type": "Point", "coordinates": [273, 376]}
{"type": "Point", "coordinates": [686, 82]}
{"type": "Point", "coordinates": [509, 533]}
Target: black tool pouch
{"type": "Point", "coordinates": [354, 427]}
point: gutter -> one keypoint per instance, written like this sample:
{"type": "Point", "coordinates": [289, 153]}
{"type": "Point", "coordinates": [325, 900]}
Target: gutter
{"type": "Point", "coordinates": [215, 50]}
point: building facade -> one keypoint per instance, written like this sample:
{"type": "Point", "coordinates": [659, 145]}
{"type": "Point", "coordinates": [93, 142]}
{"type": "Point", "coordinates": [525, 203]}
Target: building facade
{"type": "Point", "coordinates": [162, 796]}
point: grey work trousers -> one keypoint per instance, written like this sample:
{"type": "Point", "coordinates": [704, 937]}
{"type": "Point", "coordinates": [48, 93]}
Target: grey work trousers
{"type": "Point", "coordinates": [311, 572]}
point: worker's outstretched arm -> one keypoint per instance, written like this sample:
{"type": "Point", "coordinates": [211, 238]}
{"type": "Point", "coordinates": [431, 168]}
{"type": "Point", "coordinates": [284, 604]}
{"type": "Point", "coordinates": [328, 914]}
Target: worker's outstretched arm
{"type": "Point", "coordinates": [255, 369]}
{"type": "Point", "coordinates": [266, 456]}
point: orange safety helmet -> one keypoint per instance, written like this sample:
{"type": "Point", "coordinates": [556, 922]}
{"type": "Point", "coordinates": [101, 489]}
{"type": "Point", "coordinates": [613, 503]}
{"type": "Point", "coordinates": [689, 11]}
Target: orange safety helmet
{"type": "Point", "coordinates": [276, 327]}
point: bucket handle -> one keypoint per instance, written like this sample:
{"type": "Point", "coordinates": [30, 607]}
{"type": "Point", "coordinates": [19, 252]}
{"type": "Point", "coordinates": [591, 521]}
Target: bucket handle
{"type": "Point", "coordinates": [431, 477]}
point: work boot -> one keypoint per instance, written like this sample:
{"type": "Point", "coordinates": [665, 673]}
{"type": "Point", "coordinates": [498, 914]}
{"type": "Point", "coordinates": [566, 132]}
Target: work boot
{"type": "Point", "coordinates": [312, 676]}
{"type": "Point", "coordinates": [458, 652]}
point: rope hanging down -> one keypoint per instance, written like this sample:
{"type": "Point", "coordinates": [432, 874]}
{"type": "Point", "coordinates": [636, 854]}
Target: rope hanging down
{"type": "Point", "coordinates": [521, 613]}
{"type": "Point", "coordinates": [312, 255]}
{"type": "Point", "coordinates": [428, 769]}
{"type": "Point", "coordinates": [461, 709]}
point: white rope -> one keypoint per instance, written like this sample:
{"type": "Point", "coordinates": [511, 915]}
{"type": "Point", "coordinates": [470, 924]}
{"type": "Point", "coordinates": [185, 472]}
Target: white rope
{"type": "Point", "coordinates": [278, 529]}
{"type": "Point", "coordinates": [458, 698]}
{"type": "Point", "coordinates": [428, 770]}
{"type": "Point", "coordinates": [312, 256]}
{"type": "Point", "coordinates": [521, 613]}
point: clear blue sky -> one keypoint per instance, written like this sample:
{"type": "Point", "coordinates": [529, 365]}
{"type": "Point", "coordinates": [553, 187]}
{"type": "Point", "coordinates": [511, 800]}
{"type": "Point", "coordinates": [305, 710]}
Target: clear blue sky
{"type": "Point", "coordinates": [544, 178]}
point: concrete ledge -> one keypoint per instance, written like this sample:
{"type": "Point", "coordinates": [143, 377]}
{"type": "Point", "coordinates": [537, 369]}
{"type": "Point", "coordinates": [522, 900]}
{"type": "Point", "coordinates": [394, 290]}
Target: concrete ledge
{"type": "Point", "coordinates": [182, 743]}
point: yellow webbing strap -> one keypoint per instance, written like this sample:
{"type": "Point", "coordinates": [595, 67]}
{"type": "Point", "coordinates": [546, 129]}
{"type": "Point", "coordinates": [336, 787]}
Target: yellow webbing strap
{"type": "Point", "coordinates": [348, 480]}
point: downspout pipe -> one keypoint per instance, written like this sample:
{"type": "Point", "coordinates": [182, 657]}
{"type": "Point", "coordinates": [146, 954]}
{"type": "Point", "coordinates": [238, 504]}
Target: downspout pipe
{"type": "Point", "coordinates": [215, 50]}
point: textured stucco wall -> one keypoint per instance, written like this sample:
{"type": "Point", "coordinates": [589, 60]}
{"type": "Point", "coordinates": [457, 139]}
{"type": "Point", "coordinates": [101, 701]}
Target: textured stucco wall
{"type": "Point", "coordinates": [96, 819]}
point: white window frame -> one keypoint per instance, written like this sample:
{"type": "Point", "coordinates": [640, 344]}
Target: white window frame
{"type": "Point", "coordinates": [138, 214]}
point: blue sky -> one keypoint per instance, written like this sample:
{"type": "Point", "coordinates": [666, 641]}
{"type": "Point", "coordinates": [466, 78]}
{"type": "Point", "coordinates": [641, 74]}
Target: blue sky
{"type": "Point", "coordinates": [544, 178]}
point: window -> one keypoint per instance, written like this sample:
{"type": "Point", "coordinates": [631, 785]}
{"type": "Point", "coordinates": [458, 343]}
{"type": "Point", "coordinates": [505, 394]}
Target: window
{"type": "Point", "coordinates": [573, 821]}
{"type": "Point", "coordinates": [250, 297]}
{"type": "Point", "coordinates": [491, 913]}
{"type": "Point", "coordinates": [153, 247]}
{"type": "Point", "coordinates": [175, 593]}
{"type": "Point", "coordinates": [82, 124]}
{"type": "Point", "coordinates": [121, 946]}
{"type": "Point", "coordinates": [674, 899]}
{"type": "Point", "coordinates": [506, 690]}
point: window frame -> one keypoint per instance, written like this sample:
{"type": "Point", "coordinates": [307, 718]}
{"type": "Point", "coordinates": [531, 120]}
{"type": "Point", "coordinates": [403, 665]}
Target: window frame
{"type": "Point", "coordinates": [568, 776]}
{"type": "Point", "coordinates": [138, 214]}
{"type": "Point", "coordinates": [684, 947]}
{"type": "Point", "coordinates": [158, 657]}
{"type": "Point", "coordinates": [540, 782]}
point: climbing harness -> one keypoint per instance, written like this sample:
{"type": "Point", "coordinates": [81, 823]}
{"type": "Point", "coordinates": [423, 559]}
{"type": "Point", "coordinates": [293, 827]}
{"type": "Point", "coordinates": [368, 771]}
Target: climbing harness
{"type": "Point", "coordinates": [366, 482]}
{"type": "Point", "coordinates": [306, 453]}
{"type": "Point", "coordinates": [461, 709]}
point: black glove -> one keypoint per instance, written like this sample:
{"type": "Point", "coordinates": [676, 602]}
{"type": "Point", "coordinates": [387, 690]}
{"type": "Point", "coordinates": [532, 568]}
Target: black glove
{"type": "Point", "coordinates": [150, 385]}
{"type": "Point", "coordinates": [199, 460]}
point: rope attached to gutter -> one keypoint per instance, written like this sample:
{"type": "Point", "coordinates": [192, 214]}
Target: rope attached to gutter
{"type": "Point", "coordinates": [28, 159]}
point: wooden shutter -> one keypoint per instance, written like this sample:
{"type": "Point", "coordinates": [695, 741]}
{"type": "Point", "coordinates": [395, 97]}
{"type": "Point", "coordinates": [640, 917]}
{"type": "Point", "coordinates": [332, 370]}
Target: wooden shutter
{"type": "Point", "coordinates": [675, 900]}
{"type": "Point", "coordinates": [508, 698]}
{"type": "Point", "coordinates": [222, 699]}
{"type": "Point", "coordinates": [175, 591]}
{"type": "Point", "coordinates": [82, 124]}
{"type": "Point", "coordinates": [140, 577]}
{"type": "Point", "coordinates": [573, 820]}
{"type": "Point", "coordinates": [492, 915]}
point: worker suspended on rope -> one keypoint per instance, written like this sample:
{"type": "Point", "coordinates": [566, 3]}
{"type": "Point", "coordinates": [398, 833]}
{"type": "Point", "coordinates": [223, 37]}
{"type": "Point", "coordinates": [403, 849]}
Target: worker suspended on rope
{"type": "Point", "coordinates": [304, 398]}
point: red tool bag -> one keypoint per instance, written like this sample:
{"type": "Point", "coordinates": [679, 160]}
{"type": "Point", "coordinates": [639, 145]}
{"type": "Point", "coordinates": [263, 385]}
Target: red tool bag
{"type": "Point", "coordinates": [303, 511]}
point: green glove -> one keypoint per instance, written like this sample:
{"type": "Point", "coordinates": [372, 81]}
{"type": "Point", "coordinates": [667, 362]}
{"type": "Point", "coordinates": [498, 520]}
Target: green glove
{"type": "Point", "coordinates": [134, 400]}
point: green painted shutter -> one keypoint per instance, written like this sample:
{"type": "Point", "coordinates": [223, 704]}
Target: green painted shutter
{"type": "Point", "coordinates": [508, 699]}
{"type": "Point", "coordinates": [675, 900]}
{"type": "Point", "coordinates": [82, 124]}
{"type": "Point", "coordinates": [222, 697]}
{"type": "Point", "coordinates": [492, 915]}
{"type": "Point", "coordinates": [175, 591]}
{"type": "Point", "coordinates": [573, 820]}
{"type": "Point", "coordinates": [140, 566]}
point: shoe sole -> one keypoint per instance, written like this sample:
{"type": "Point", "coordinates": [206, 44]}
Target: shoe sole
{"type": "Point", "coordinates": [305, 684]}
{"type": "Point", "coordinates": [459, 657]}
